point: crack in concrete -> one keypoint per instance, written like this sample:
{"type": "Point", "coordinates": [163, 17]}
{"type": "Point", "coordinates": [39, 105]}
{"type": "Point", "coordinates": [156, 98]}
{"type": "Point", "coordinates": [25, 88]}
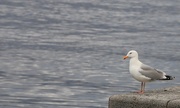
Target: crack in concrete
{"type": "Point", "coordinates": [170, 101]}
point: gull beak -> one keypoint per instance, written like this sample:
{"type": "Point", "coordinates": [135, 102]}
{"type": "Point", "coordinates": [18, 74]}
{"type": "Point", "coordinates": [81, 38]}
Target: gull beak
{"type": "Point", "coordinates": [125, 57]}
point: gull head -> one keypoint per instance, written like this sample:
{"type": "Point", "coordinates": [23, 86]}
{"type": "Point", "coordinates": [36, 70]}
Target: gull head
{"type": "Point", "coordinates": [131, 54]}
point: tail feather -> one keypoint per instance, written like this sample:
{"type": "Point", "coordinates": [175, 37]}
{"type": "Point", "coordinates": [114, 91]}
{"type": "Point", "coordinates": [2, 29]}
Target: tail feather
{"type": "Point", "coordinates": [168, 77]}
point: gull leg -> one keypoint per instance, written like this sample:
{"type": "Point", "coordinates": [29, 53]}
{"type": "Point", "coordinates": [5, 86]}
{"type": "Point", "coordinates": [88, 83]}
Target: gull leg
{"type": "Point", "coordinates": [141, 91]}
{"type": "Point", "coordinates": [142, 85]}
{"type": "Point", "coordinates": [142, 88]}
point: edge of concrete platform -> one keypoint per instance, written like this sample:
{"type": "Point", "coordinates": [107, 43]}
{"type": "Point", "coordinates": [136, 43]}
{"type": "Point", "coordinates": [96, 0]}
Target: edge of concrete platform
{"type": "Point", "coordinates": [162, 98]}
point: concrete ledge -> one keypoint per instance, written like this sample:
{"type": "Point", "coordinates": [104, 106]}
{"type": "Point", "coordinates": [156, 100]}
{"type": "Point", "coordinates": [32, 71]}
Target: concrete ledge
{"type": "Point", "coordinates": [164, 98]}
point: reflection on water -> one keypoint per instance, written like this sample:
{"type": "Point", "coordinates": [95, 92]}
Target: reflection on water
{"type": "Point", "coordinates": [69, 53]}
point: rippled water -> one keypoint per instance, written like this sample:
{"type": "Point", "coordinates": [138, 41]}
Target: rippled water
{"type": "Point", "coordinates": [68, 53]}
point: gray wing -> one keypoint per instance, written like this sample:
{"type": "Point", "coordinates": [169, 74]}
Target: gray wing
{"type": "Point", "coordinates": [152, 73]}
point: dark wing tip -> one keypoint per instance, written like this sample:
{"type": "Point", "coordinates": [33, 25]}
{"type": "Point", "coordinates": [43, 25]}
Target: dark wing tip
{"type": "Point", "coordinates": [168, 77]}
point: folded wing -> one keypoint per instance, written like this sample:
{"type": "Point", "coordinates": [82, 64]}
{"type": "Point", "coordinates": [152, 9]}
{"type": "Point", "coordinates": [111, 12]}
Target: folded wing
{"type": "Point", "coordinates": [152, 73]}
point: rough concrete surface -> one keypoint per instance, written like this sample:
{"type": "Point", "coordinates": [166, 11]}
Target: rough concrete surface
{"type": "Point", "coordinates": [164, 98]}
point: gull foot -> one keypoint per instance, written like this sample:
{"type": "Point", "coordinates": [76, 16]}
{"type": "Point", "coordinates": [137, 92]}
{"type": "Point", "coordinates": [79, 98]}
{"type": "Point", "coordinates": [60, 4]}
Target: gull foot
{"type": "Point", "coordinates": [139, 92]}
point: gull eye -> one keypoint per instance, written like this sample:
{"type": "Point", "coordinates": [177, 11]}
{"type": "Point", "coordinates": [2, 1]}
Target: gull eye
{"type": "Point", "coordinates": [130, 53]}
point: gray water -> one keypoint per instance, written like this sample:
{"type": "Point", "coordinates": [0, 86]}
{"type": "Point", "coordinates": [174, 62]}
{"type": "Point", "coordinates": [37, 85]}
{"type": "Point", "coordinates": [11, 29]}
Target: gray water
{"type": "Point", "coordinates": [68, 53]}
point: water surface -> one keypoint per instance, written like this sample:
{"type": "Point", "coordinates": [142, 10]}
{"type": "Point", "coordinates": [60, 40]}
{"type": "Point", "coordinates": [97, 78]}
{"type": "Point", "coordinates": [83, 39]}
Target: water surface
{"type": "Point", "coordinates": [68, 53]}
